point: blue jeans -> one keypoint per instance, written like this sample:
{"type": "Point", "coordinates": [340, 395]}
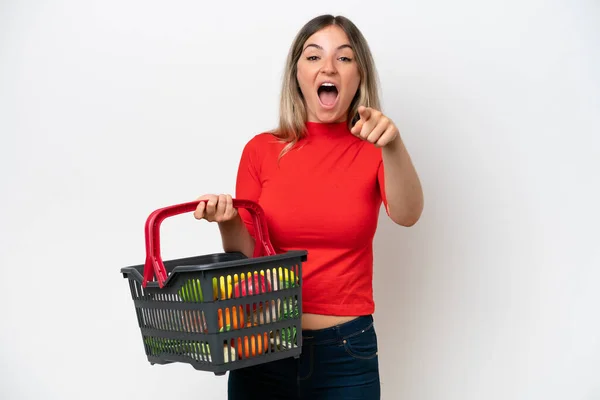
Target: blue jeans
{"type": "Point", "coordinates": [336, 363]}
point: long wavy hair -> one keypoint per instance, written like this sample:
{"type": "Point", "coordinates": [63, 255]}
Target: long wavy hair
{"type": "Point", "coordinates": [292, 108]}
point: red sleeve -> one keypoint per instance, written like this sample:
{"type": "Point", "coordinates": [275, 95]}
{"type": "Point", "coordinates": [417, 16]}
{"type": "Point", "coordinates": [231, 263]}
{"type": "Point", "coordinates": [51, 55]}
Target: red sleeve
{"type": "Point", "coordinates": [381, 184]}
{"type": "Point", "coordinates": [248, 183]}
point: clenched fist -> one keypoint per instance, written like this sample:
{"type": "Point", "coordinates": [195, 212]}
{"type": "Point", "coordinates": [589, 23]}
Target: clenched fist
{"type": "Point", "coordinates": [217, 208]}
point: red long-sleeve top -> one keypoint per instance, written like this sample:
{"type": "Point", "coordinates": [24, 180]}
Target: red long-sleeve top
{"type": "Point", "coordinates": [323, 196]}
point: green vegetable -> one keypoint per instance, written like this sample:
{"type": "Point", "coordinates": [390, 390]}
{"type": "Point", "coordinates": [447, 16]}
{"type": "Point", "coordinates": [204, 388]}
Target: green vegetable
{"type": "Point", "coordinates": [290, 308]}
{"type": "Point", "coordinates": [287, 278]}
{"type": "Point", "coordinates": [174, 346]}
{"type": "Point", "coordinates": [289, 335]}
{"type": "Point", "coordinates": [191, 291]}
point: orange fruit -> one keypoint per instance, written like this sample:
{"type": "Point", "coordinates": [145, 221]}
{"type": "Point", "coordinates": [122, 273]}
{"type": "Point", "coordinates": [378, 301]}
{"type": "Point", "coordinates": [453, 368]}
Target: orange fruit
{"type": "Point", "coordinates": [238, 319]}
{"type": "Point", "coordinates": [253, 345]}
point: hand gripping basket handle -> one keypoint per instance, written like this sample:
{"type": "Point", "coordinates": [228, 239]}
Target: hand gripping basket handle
{"type": "Point", "coordinates": [154, 264]}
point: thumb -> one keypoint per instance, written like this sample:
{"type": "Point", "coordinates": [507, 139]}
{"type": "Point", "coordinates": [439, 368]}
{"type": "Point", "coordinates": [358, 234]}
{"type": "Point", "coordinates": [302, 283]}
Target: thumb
{"type": "Point", "coordinates": [364, 115]}
{"type": "Point", "coordinates": [357, 127]}
{"type": "Point", "coordinates": [207, 197]}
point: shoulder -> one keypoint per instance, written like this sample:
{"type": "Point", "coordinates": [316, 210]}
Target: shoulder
{"type": "Point", "coordinates": [261, 147]}
{"type": "Point", "coordinates": [261, 142]}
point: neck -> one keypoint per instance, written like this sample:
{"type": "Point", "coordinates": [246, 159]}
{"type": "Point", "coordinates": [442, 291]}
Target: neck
{"type": "Point", "coordinates": [327, 128]}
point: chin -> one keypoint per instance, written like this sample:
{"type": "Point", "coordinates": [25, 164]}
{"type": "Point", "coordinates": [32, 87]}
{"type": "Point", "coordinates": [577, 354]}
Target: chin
{"type": "Point", "coordinates": [328, 116]}
{"type": "Point", "coordinates": [330, 119]}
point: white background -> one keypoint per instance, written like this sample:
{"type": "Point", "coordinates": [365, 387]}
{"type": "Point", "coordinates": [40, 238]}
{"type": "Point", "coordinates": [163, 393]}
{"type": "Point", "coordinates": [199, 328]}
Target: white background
{"type": "Point", "coordinates": [111, 109]}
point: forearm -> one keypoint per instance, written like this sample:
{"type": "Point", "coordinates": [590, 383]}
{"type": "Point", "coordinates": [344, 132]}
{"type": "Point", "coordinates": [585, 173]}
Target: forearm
{"type": "Point", "coordinates": [402, 185]}
{"type": "Point", "coordinates": [236, 237]}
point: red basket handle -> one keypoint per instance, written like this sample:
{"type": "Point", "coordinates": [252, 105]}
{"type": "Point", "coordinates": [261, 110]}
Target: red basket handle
{"type": "Point", "coordinates": [154, 264]}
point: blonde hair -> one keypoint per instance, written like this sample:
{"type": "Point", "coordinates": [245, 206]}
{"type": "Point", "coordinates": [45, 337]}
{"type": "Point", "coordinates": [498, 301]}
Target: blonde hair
{"type": "Point", "coordinates": [292, 109]}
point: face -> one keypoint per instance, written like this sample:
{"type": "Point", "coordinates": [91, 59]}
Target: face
{"type": "Point", "coordinates": [328, 75]}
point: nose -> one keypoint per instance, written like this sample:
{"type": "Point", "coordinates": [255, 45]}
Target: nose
{"type": "Point", "coordinates": [328, 66]}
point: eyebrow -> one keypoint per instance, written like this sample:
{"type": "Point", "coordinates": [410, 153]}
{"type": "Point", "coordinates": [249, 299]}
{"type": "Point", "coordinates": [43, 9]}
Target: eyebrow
{"type": "Point", "coordinates": [321, 48]}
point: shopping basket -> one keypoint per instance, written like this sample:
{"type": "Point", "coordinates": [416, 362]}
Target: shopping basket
{"type": "Point", "coordinates": [222, 311]}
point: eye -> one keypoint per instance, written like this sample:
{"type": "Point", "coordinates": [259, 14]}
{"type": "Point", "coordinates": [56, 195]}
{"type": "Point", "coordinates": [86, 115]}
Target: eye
{"type": "Point", "coordinates": [345, 59]}
{"type": "Point", "coordinates": [312, 58]}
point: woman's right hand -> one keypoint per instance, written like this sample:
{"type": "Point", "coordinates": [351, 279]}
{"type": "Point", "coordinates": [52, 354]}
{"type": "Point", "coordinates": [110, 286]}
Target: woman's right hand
{"type": "Point", "coordinates": [217, 208]}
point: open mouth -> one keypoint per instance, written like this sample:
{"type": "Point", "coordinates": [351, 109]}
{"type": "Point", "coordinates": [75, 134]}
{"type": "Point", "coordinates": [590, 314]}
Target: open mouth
{"type": "Point", "coordinates": [328, 94]}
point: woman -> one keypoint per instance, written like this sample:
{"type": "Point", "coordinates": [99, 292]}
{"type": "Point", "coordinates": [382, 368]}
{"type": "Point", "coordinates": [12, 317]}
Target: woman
{"type": "Point", "coordinates": [321, 178]}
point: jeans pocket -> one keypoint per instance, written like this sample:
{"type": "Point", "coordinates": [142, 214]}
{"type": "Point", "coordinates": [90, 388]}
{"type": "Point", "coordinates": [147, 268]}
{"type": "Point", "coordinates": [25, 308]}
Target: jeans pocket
{"type": "Point", "coordinates": [362, 344]}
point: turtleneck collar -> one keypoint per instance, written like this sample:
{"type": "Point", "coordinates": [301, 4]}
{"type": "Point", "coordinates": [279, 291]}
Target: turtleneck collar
{"type": "Point", "coordinates": [316, 129]}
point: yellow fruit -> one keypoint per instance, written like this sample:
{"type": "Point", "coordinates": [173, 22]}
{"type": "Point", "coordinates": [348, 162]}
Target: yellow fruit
{"type": "Point", "coordinates": [222, 292]}
{"type": "Point", "coordinates": [285, 278]}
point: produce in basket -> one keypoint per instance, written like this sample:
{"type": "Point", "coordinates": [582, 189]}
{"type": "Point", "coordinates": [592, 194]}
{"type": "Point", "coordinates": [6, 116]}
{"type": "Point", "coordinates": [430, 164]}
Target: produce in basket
{"type": "Point", "coordinates": [196, 350]}
{"type": "Point", "coordinates": [227, 351]}
{"type": "Point", "coordinates": [223, 293]}
{"type": "Point", "coordinates": [284, 278]}
{"type": "Point", "coordinates": [277, 279]}
{"type": "Point", "coordinates": [234, 318]}
{"type": "Point", "coordinates": [288, 336]}
{"type": "Point", "coordinates": [191, 291]}
{"type": "Point", "coordinates": [252, 346]}
{"type": "Point", "coordinates": [290, 310]}
{"type": "Point", "coordinates": [251, 287]}
{"type": "Point", "coordinates": [263, 287]}
{"type": "Point", "coordinates": [284, 339]}
{"type": "Point", "coordinates": [237, 288]}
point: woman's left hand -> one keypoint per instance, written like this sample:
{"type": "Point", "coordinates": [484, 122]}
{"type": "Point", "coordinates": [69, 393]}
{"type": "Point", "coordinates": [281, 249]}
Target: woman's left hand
{"type": "Point", "coordinates": [375, 127]}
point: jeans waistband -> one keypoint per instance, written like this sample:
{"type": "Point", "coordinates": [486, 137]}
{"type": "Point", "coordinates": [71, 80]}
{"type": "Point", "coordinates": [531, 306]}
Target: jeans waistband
{"type": "Point", "coordinates": [337, 333]}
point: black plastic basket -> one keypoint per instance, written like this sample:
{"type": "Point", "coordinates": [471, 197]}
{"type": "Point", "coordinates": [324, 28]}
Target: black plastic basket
{"type": "Point", "coordinates": [218, 312]}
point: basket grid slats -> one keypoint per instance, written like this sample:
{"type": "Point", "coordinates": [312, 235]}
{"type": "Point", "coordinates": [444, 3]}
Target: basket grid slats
{"type": "Point", "coordinates": [218, 312]}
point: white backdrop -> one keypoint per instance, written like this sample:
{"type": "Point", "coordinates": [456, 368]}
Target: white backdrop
{"type": "Point", "coordinates": [111, 109]}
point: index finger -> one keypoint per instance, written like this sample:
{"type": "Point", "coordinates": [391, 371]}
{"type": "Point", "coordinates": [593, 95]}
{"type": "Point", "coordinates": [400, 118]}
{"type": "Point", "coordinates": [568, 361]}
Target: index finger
{"type": "Point", "coordinates": [207, 197]}
{"type": "Point", "coordinates": [364, 112]}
